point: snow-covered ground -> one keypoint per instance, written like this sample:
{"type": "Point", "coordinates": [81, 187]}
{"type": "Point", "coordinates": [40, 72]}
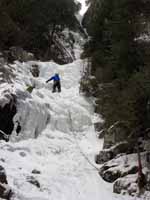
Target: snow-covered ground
{"type": "Point", "coordinates": [56, 139]}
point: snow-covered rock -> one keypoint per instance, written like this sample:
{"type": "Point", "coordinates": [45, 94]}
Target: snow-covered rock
{"type": "Point", "coordinates": [127, 184]}
{"type": "Point", "coordinates": [108, 154]}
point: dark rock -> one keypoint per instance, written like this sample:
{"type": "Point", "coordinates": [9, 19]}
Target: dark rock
{"type": "Point", "coordinates": [127, 184]}
{"type": "Point", "coordinates": [5, 191]}
{"type": "Point", "coordinates": [110, 176]}
{"type": "Point", "coordinates": [18, 53]}
{"type": "Point", "coordinates": [108, 154]}
{"type": "Point", "coordinates": [61, 49]}
{"type": "Point", "coordinates": [33, 181]}
{"type": "Point", "coordinates": [35, 171]}
{"type": "Point", "coordinates": [6, 118]}
{"type": "Point", "coordinates": [132, 170]}
{"type": "Point", "coordinates": [98, 126]}
{"type": "Point", "coordinates": [18, 128]}
{"type": "Point", "coordinates": [102, 133]}
{"type": "Point", "coordinates": [141, 181]}
{"type": "Point", "coordinates": [104, 156]}
{"type": "Point", "coordinates": [110, 173]}
{"type": "Point", "coordinates": [118, 187]}
{"type": "Point", "coordinates": [35, 70]}
{"type": "Point", "coordinates": [3, 178]}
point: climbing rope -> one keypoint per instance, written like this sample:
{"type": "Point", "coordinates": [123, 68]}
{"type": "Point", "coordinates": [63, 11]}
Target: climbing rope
{"type": "Point", "coordinates": [82, 153]}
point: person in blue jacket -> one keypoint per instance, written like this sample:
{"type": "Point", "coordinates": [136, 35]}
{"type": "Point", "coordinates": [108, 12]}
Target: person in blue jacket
{"type": "Point", "coordinates": [56, 82]}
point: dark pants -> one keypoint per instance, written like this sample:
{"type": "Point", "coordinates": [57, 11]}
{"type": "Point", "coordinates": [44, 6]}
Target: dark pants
{"type": "Point", "coordinates": [56, 85]}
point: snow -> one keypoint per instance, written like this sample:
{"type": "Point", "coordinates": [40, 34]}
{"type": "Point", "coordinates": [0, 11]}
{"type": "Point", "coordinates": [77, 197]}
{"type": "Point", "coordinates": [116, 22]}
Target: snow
{"type": "Point", "coordinates": [57, 138]}
{"type": "Point", "coordinates": [84, 6]}
{"type": "Point", "coordinates": [143, 37]}
{"type": "Point", "coordinates": [5, 96]}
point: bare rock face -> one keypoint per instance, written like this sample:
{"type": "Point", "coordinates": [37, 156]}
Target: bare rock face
{"type": "Point", "coordinates": [7, 99]}
{"type": "Point", "coordinates": [5, 191]}
{"type": "Point", "coordinates": [18, 53]}
{"type": "Point", "coordinates": [7, 110]}
{"type": "Point", "coordinates": [3, 178]}
{"type": "Point", "coordinates": [61, 50]}
{"type": "Point", "coordinates": [35, 70]}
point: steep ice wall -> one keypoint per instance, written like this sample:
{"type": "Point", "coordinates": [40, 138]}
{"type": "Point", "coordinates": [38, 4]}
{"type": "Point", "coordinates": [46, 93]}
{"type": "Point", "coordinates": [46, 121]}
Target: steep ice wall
{"type": "Point", "coordinates": [40, 107]}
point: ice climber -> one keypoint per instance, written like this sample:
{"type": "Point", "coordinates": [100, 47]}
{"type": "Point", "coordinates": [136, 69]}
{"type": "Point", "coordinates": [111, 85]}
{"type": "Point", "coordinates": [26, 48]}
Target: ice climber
{"type": "Point", "coordinates": [56, 82]}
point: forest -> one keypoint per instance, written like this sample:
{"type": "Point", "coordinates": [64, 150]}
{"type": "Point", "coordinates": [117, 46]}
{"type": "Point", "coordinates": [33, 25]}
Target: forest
{"type": "Point", "coordinates": [31, 24]}
{"type": "Point", "coordinates": [119, 60]}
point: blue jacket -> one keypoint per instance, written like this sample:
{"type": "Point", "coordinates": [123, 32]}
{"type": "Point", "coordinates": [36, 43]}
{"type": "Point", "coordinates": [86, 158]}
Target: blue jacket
{"type": "Point", "coordinates": [55, 78]}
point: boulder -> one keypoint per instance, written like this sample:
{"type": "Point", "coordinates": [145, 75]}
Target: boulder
{"type": "Point", "coordinates": [98, 126]}
{"type": "Point", "coordinates": [3, 178]}
{"type": "Point", "coordinates": [35, 70]}
{"type": "Point", "coordinates": [108, 154]}
{"type": "Point", "coordinates": [126, 184]}
{"type": "Point", "coordinates": [112, 173]}
{"type": "Point", "coordinates": [121, 166]}
{"type": "Point", "coordinates": [104, 156]}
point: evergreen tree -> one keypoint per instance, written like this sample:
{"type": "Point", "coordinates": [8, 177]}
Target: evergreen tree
{"type": "Point", "coordinates": [35, 20]}
{"type": "Point", "coordinates": [118, 59]}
